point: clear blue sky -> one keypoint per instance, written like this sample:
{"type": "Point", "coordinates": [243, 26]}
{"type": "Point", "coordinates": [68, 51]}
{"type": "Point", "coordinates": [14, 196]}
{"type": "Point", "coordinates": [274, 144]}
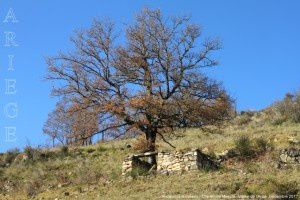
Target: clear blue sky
{"type": "Point", "coordinates": [259, 61]}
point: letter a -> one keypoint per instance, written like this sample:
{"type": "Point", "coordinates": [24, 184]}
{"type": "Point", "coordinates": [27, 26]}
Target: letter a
{"type": "Point", "coordinates": [10, 16]}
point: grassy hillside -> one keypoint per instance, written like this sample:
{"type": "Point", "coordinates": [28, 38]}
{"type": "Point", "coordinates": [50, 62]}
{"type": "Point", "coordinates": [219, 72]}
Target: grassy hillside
{"type": "Point", "coordinates": [94, 172]}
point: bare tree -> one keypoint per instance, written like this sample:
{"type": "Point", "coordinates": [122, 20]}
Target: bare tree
{"type": "Point", "coordinates": [152, 83]}
{"type": "Point", "coordinates": [70, 125]}
{"type": "Point", "coordinates": [84, 125]}
{"type": "Point", "coordinates": [58, 125]}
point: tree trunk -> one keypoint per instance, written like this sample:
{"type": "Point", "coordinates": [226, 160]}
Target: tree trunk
{"type": "Point", "coordinates": [151, 137]}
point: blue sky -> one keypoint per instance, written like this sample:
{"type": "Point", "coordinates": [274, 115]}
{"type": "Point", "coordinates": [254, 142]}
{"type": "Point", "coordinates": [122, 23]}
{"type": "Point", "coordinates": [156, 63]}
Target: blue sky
{"type": "Point", "coordinates": [258, 64]}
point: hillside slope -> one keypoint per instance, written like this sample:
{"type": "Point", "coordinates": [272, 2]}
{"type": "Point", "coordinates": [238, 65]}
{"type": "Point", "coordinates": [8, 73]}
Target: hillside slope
{"type": "Point", "coordinates": [94, 172]}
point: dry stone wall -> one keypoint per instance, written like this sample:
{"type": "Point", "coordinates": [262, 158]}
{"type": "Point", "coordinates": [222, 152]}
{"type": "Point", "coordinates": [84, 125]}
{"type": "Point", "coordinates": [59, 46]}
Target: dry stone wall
{"type": "Point", "coordinates": [127, 165]}
{"type": "Point", "coordinates": [172, 162]}
{"type": "Point", "coordinates": [135, 161]}
{"type": "Point", "coordinates": [178, 161]}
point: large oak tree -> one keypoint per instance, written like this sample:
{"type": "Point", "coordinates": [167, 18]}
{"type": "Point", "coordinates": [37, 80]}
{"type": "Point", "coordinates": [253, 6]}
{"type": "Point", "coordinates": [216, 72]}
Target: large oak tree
{"type": "Point", "coordinates": [149, 81]}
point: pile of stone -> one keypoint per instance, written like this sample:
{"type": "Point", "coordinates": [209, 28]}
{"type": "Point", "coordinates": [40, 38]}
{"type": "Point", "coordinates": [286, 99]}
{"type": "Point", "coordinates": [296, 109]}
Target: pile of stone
{"type": "Point", "coordinates": [289, 156]}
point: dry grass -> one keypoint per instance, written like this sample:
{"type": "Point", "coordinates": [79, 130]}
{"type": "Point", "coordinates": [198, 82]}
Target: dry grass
{"type": "Point", "coordinates": [93, 172]}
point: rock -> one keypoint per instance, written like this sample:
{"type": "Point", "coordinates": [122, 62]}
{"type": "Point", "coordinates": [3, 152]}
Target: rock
{"type": "Point", "coordinates": [67, 193]}
{"type": "Point", "coordinates": [283, 158]}
{"type": "Point", "coordinates": [222, 155]}
{"type": "Point", "coordinates": [205, 150]}
{"type": "Point", "coordinates": [226, 154]}
{"type": "Point", "coordinates": [293, 152]}
{"type": "Point", "coordinates": [290, 156]}
{"type": "Point", "coordinates": [293, 140]}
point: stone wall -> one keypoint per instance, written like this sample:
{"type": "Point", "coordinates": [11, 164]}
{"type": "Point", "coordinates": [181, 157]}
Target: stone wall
{"type": "Point", "coordinates": [127, 165]}
{"type": "Point", "coordinates": [178, 162]}
{"type": "Point", "coordinates": [135, 161]}
{"type": "Point", "coordinates": [172, 162]}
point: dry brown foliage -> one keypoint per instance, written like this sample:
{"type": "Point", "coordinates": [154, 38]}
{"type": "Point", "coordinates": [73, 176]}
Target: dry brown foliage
{"type": "Point", "coordinates": [151, 83]}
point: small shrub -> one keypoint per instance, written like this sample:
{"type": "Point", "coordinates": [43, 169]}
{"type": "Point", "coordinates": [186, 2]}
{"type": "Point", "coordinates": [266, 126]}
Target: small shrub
{"type": "Point", "coordinates": [141, 144]}
{"type": "Point", "coordinates": [114, 175]}
{"type": "Point", "coordinates": [261, 145]}
{"type": "Point", "coordinates": [29, 151]}
{"type": "Point", "coordinates": [87, 173]}
{"type": "Point", "coordinates": [90, 149]}
{"type": "Point", "coordinates": [64, 151]}
{"type": "Point", "coordinates": [11, 155]}
{"type": "Point", "coordinates": [49, 154]}
{"type": "Point", "coordinates": [63, 178]}
{"type": "Point", "coordinates": [286, 110]}
{"type": "Point", "coordinates": [138, 171]}
{"type": "Point", "coordinates": [251, 167]}
{"type": "Point", "coordinates": [31, 189]}
{"type": "Point", "coordinates": [211, 153]}
{"type": "Point", "coordinates": [235, 186]}
{"type": "Point", "coordinates": [1, 173]}
{"type": "Point", "coordinates": [34, 185]}
{"type": "Point", "coordinates": [34, 154]}
{"type": "Point", "coordinates": [286, 190]}
{"type": "Point", "coordinates": [244, 147]}
{"type": "Point", "coordinates": [279, 120]}
{"type": "Point", "coordinates": [244, 119]}
{"type": "Point", "coordinates": [101, 148]}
